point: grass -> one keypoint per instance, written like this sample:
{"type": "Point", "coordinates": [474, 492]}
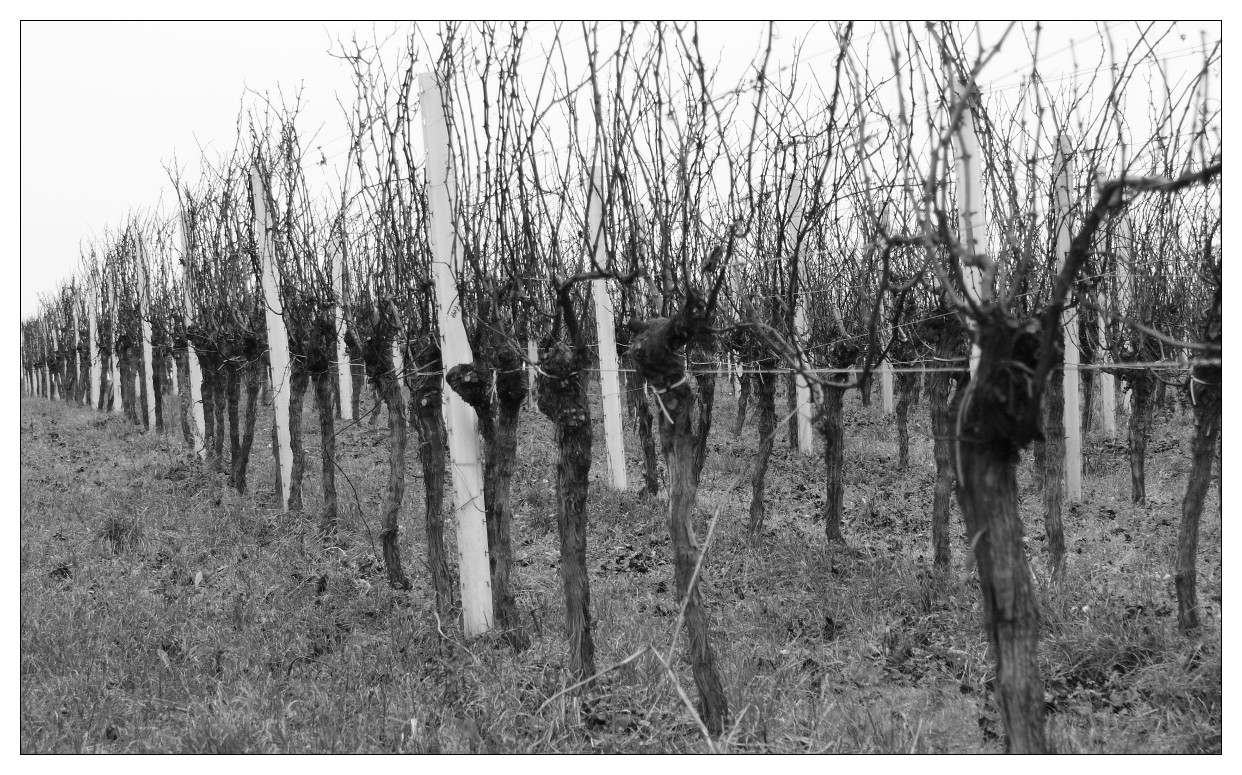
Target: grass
{"type": "Point", "coordinates": [162, 612]}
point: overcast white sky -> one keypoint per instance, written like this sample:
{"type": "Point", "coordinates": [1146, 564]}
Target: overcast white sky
{"type": "Point", "coordinates": [106, 105]}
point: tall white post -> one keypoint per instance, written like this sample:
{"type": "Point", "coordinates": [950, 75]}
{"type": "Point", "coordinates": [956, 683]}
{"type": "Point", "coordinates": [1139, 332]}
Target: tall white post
{"type": "Point", "coordinates": [532, 367]}
{"type": "Point", "coordinates": [277, 334]}
{"type": "Point", "coordinates": [609, 382]}
{"type": "Point", "coordinates": [144, 315]}
{"type": "Point", "coordinates": [344, 376]}
{"type": "Point", "coordinates": [172, 374]}
{"type": "Point", "coordinates": [198, 422]}
{"type": "Point", "coordinates": [94, 359]}
{"type": "Point", "coordinates": [971, 187]}
{"type": "Point", "coordinates": [886, 386]}
{"type": "Point", "coordinates": [1069, 320]}
{"type": "Point", "coordinates": [802, 388]}
{"type": "Point", "coordinates": [460, 419]}
{"type": "Point", "coordinates": [118, 403]}
{"type": "Point", "coordinates": [398, 360]}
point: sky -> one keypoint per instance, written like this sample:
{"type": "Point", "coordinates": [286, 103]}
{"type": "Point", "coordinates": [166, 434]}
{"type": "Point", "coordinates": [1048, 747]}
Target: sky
{"type": "Point", "coordinates": [107, 106]}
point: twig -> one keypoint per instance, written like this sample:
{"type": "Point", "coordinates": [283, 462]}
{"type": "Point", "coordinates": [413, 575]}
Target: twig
{"type": "Point", "coordinates": [597, 674]}
{"type": "Point", "coordinates": [685, 698]}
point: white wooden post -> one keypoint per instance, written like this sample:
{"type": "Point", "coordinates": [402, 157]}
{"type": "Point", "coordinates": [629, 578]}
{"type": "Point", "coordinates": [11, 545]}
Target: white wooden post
{"type": "Point", "coordinates": [532, 368]}
{"type": "Point", "coordinates": [144, 315]}
{"type": "Point", "coordinates": [802, 389]}
{"type": "Point", "coordinates": [118, 403]}
{"type": "Point", "coordinates": [277, 334]}
{"type": "Point", "coordinates": [609, 382]}
{"type": "Point", "coordinates": [1069, 320]}
{"type": "Point", "coordinates": [198, 422]}
{"type": "Point", "coordinates": [972, 225]}
{"type": "Point", "coordinates": [398, 361]}
{"type": "Point", "coordinates": [886, 386]}
{"type": "Point", "coordinates": [94, 359]}
{"type": "Point", "coordinates": [460, 419]}
{"type": "Point", "coordinates": [172, 374]}
{"type": "Point", "coordinates": [344, 375]}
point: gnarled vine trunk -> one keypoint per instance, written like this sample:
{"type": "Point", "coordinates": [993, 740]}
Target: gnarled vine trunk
{"type": "Point", "coordinates": [183, 384]}
{"type": "Point", "coordinates": [563, 398]}
{"type": "Point", "coordinates": [426, 395]}
{"type": "Point", "coordinates": [498, 426]}
{"type": "Point", "coordinates": [641, 410]}
{"type": "Point", "coordinates": [232, 391]}
{"type": "Point", "coordinates": [378, 357]}
{"type": "Point", "coordinates": [907, 384]}
{"type": "Point", "coordinates": [947, 331]}
{"type": "Point", "coordinates": [655, 347]}
{"type": "Point", "coordinates": [245, 365]}
{"type": "Point", "coordinates": [1054, 466]}
{"type": "Point", "coordinates": [1205, 389]}
{"type": "Point", "coordinates": [319, 364]}
{"type": "Point", "coordinates": [706, 382]}
{"type": "Point", "coordinates": [743, 398]}
{"type": "Point", "coordinates": [830, 424]}
{"type": "Point", "coordinates": [239, 464]}
{"type": "Point", "coordinates": [330, 518]}
{"type": "Point", "coordinates": [765, 398]}
{"type": "Point", "coordinates": [218, 411]}
{"type": "Point", "coordinates": [207, 389]}
{"type": "Point", "coordinates": [791, 408]}
{"type": "Point", "coordinates": [833, 430]}
{"type": "Point", "coordinates": [299, 380]}
{"type": "Point", "coordinates": [1142, 390]}
{"type": "Point", "coordinates": [999, 414]}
